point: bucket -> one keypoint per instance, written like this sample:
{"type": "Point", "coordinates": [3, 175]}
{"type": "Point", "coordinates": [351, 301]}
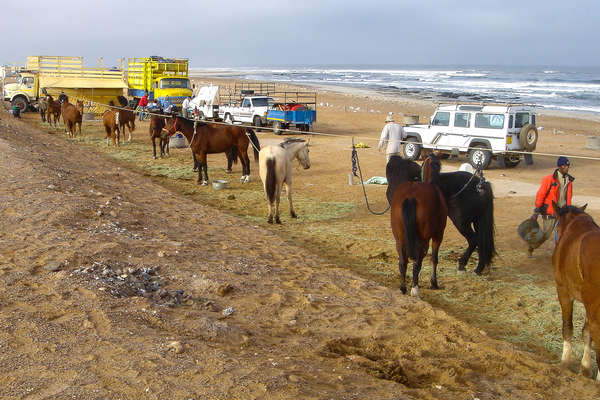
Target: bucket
{"type": "Point", "coordinates": [90, 116]}
{"type": "Point", "coordinates": [219, 184]}
{"type": "Point", "coordinates": [177, 141]}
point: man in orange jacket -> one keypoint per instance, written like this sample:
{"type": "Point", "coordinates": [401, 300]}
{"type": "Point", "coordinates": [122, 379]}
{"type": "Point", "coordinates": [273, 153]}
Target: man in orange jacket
{"type": "Point", "coordinates": [556, 187]}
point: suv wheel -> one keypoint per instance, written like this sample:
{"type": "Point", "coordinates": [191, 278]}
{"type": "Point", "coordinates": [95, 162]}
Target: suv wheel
{"type": "Point", "coordinates": [528, 137]}
{"type": "Point", "coordinates": [412, 149]}
{"type": "Point", "coordinates": [480, 157]}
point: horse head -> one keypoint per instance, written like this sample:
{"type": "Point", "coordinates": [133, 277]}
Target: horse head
{"type": "Point", "coordinates": [430, 170]}
{"type": "Point", "coordinates": [79, 106]}
{"type": "Point", "coordinates": [173, 125]}
{"type": "Point", "coordinates": [63, 98]}
{"type": "Point", "coordinates": [302, 155]}
{"type": "Point", "coordinates": [566, 214]}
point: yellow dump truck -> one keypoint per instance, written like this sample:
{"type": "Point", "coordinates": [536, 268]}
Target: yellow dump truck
{"type": "Point", "coordinates": [160, 77]}
{"type": "Point", "coordinates": [58, 74]}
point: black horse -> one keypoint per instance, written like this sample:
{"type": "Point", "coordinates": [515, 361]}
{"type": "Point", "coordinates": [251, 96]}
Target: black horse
{"type": "Point", "coordinates": [470, 207]}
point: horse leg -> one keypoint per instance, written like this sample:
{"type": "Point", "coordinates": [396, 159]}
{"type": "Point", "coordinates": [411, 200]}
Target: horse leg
{"type": "Point", "coordinates": [270, 217]}
{"type": "Point", "coordinates": [154, 146]}
{"type": "Point", "coordinates": [467, 231]}
{"type": "Point", "coordinates": [229, 161]}
{"type": "Point", "coordinates": [277, 199]}
{"type": "Point", "coordinates": [402, 264]}
{"type": "Point", "coordinates": [288, 192]}
{"type": "Point", "coordinates": [566, 305]}
{"type": "Point", "coordinates": [245, 165]}
{"type": "Point", "coordinates": [435, 247]}
{"type": "Point", "coordinates": [205, 170]}
{"type": "Point", "coordinates": [414, 290]}
{"type": "Point", "coordinates": [586, 360]}
{"type": "Point", "coordinates": [196, 166]}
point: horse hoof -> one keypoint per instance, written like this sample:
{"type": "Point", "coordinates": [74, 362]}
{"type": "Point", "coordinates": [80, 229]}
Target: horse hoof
{"type": "Point", "coordinates": [434, 286]}
{"type": "Point", "coordinates": [403, 289]}
{"type": "Point", "coordinates": [155, 157]}
{"type": "Point", "coordinates": [477, 271]}
{"type": "Point", "coordinates": [229, 171]}
{"type": "Point", "coordinates": [277, 220]}
{"type": "Point", "coordinates": [414, 292]}
{"type": "Point", "coordinates": [293, 214]}
{"type": "Point", "coordinates": [204, 183]}
{"type": "Point", "coordinates": [270, 220]}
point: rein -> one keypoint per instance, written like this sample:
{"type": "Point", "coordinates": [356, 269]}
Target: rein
{"type": "Point", "coordinates": [355, 166]}
{"type": "Point", "coordinates": [480, 184]}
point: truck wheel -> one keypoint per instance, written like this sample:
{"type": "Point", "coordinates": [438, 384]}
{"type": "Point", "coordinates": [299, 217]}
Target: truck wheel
{"type": "Point", "coordinates": [277, 128]}
{"type": "Point", "coordinates": [257, 122]}
{"type": "Point", "coordinates": [20, 102]}
{"type": "Point", "coordinates": [228, 119]}
{"type": "Point", "coordinates": [528, 137]}
{"type": "Point", "coordinates": [480, 157]}
{"type": "Point", "coordinates": [411, 149]}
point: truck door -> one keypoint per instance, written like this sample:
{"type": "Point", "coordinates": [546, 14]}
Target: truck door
{"type": "Point", "coordinates": [28, 86]}
{"type": "Point", "coordinates": [440, 130]}
{"type": "Point", "coordinates": [246, 110]}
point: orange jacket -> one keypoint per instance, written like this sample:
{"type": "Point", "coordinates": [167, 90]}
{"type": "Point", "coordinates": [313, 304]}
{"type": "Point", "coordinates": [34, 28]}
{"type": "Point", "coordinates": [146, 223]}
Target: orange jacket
{"type": "Point", "coordinates": [548, 192]}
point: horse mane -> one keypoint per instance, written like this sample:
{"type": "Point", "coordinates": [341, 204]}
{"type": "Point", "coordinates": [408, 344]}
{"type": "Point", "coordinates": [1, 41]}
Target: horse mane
{"type": "Point", "coordinates": [289, 141]}
{"type": "Point", "coordinates": [430, 170]}
{"type": "Point", "coordinates": [567, 209]}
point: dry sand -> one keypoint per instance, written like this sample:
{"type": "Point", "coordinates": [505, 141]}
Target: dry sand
{"type": "Point", "coordinates": [299, 326]}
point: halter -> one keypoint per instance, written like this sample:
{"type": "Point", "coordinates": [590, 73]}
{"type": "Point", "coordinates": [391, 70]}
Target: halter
{"type": "Point", "coordinates": [174, 127]}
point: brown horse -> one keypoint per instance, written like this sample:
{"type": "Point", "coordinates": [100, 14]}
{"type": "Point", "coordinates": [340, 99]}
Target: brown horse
{"type": "Point", "coordinates": [72, 116]}
{"type": "Point", "coordinates": [576, 261]}
{"type": "Point", "coordinates": [157, 131]}
{"type": "Point", "coordinates": [127, 119]}
{"type": "Point", "coordinates": [418, 215]}
{"type": "Point", "coordinates": [110, 119]}
{"type": "Point", "coordinates": [209, 138]}
{"type": "Point", "coordinates": [52, 110]}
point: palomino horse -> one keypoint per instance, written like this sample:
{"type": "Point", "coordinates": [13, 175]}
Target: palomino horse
{"type": "Point", "coordinates": [418, 215]}
{"type": "Point", "coordinates": [576, 261]}
{"type": "Point", "coordinates": [470, 202]}
{"type": "Point", "coordinates": [208, 138]}
{"type": "Point", "coordinates": [110, 119]}
{"type": "Point", "coordinates": [275, 164]}
{"type": "Point", "coordinates": [157, 131]}
{"type": "Point", "coordinates": [52, 110]}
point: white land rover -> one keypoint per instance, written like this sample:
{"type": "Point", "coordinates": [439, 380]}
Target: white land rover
{"type": "Point", "coordinates": [482, 131]}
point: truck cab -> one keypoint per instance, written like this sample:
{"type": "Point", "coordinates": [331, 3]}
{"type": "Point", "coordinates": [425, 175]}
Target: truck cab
{"type": "Point", "coordinates": [23, 92]}
{"type": "Point", "coordinates": [177, 89]}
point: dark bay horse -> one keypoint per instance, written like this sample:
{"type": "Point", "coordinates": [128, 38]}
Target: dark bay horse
{"type": "Point", "coordinates": [470, 204]}
{"type": "Point", "coordinates": [209, 138]}
{"type": "Point", "coordinates": [157, 131]}
{"type": "Point", "coordinates": [52, 110]}
{"type": "Point", "coordinates": [576, 261]}
{"type": "Point", "coordinates": [418, 215]}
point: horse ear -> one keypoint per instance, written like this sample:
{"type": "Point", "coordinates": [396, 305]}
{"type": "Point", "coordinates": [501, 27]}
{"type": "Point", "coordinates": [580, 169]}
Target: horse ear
{"type": "Point", "coordinates": [584, 207]}
{"type": "Point", "coordinates": [555, 207]}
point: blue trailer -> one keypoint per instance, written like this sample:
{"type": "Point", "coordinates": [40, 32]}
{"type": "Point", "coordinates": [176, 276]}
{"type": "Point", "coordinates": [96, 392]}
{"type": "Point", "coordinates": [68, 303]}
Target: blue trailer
{"type": "Point", "coordinates": [297, 109]}
{"type": "Point", "coordinates": [283, 119]}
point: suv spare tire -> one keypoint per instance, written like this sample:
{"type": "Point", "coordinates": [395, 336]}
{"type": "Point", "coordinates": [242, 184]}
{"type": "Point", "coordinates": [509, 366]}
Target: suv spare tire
{"type": "Point", "coordinates": [411, 149]}
{"type": "Point", "coordinates": [480, 157]}
{"type": "Point", "coordinates": [528, 137]}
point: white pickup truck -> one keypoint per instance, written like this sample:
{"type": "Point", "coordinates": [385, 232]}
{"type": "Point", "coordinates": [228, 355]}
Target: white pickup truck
{"type": "Point", "coordinates": [481, 131]}
{"type": "Point", "coordinates": [251, 109]}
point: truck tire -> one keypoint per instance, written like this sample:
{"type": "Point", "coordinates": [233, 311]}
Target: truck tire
{"type": "Point", "coordinates": [277, 128]}
{"type": "Point", "coordinates": [508, 161]}
{"type": "Point", "coordinates": [411, 149]}
{"type": "Point", "coordinates": [257, 122]}
{"type": "Point", "coordinates": [20, 102]}
{"type": "Point", "coordinates": [528, 137]}
{"type": "Point", "coordinates": [480, 157]}
{"type": "Point", "coordinates": [228, 118]}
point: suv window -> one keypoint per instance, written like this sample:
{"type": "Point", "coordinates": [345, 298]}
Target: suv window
{"type": "Point", "coordinates": [441, 118]}
{"type": "Point", "coordinates": [521, 119]}
{"type": "Point", "coordinates": [489, 121]}
{"type": "Point", "coordinates": [246, 103]}
{"type": "Point", "coordinates": [461, 120]}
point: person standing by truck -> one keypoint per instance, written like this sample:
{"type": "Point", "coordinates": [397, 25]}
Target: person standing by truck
{"type": "Point", "coordinates": [143, 104]}
{"type": "Point", "coordinates": [184, 107]}
{"type": "Point", "coordinates": [392, 136]}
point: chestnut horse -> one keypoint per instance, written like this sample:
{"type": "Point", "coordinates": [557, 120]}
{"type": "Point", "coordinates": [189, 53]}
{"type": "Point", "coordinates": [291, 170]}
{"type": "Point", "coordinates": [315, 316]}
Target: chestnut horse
{"type": "Point", "coordinates": [52, 110]}
{"type": "Point", "coordinates": [576, 261]}
{"type": "Point", "coordinates": [110, 119]}
{"type": "Point", "coordinates": [157, 131]}
{"type": "Point", "coordinates": [209, 138]}
{"type": "Point", "coordinates": [418, 215]}
{"type": "Point", "coordinates": [72, 116]}
{"type": "Point", "coordinates": [275, 164]}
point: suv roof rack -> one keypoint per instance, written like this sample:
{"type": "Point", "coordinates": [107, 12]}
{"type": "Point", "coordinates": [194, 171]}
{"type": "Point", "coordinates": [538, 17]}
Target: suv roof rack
{"type": "Point", "coordinates": [483, 103]}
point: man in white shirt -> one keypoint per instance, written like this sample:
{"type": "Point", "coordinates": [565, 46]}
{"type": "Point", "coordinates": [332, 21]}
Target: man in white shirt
{"type": "Point", "coordinates": [392, 134]}
{"type": "Point", "coordinates": [184, 107]}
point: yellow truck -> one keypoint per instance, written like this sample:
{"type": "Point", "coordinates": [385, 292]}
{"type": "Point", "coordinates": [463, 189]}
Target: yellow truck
{"type": "Point", "coordinates": [59, 74]}
{"type": "Point", "coordinates": [160, 77]}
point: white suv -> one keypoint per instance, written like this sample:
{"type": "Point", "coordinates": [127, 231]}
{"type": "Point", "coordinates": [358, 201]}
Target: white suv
{"type": "Point", "coordinates": [479, 130]}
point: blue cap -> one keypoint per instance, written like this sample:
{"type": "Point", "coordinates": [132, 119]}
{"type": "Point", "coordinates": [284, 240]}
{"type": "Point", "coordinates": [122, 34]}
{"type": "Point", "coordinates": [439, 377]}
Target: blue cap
{"type": "Point", "coordinates": [562, 160]}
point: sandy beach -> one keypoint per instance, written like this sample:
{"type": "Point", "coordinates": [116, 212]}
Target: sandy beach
{"type": "Point", "coordinates": [246, 310]}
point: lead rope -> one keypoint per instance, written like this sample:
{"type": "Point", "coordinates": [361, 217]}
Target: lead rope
{"type": "Point", "coordinates": [355, 166]}
{"type": "Point", "coordinates": [479, 187]}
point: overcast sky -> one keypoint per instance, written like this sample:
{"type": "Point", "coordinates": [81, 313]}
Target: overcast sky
{"type": "Point", "coordinates": [229, 33]}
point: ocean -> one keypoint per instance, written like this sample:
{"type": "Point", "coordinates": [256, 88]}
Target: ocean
{"type": "Point", "coordinates": [574, 89]}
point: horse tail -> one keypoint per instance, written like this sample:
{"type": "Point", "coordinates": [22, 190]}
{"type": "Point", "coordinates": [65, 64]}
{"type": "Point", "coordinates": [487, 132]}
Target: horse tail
{"type": "Point", "coordinates": [255, 143]}
{"type": "Point", "coordinates": [486, 231]}
{"type": "Point", "coordinates": [270, 181]}
{"type": "Point", "coordinates": [232, 155]}
{"type": "Point", "coordinates": [409, 218]}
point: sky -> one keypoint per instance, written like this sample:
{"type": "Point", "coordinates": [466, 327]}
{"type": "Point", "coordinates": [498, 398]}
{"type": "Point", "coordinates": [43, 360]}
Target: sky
{"type": "Point", "coordinates": [233, 33]}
